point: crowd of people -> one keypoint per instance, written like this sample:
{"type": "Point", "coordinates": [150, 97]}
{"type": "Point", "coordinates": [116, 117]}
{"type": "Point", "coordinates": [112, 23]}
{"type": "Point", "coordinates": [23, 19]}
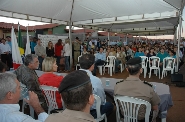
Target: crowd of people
{"type": "Point", "coordinates": [77, 88]}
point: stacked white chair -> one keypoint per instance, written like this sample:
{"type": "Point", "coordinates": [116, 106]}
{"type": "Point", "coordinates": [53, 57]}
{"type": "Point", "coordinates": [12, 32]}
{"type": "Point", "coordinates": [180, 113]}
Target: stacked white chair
{"type": "Point", "coordinates": [168, 65]}
{"type": "Point", "coordinates": [78, 65]}
{"type": "Point", "coordinates": [110, 64]}
{"type": "Point", "coordinates": [154, 65]}
{"type": "Point", "coordinates": [50, 95]}
{"type": "Point", "coordinates": [130, 108]}
{"type": "Point", "coordinates": [100, 116]}
{"type": "Point", "coordinates": [144, 64]}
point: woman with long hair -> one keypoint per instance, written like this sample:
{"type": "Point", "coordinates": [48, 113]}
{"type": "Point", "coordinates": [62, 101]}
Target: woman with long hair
{"type": "Point", "coordinates": [50, 49]}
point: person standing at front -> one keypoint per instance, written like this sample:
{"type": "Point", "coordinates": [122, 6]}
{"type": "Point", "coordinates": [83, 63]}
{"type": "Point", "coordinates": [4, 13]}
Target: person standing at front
{"type": "Point", "coordinates": [40, 51]}
{"type": "Point", "coordinates": [67, 51]}
{"type": "Point", "coordinates": [76, 45]}
{"type": "Point", "coordinates": [5, 53]}
{"type": "Point", "coordinates": [58, 49]}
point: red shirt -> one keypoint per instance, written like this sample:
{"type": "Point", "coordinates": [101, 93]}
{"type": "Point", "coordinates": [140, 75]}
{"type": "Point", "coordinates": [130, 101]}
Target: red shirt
{"type": "Point", "coordinates": [58, 49]}
{"type": "Point", "coordinates": [50, 79]}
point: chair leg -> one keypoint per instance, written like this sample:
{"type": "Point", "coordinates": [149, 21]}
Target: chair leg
{"type": "Point", "coordinates": [159, 73]}
{"type": "Point", "coordinates": [110, 71]}
{"type": "Point", "coordinates": [23, 105]}
{"type": "Point", "coordinates": [162, 74]}
{"type": "Point", "coordinates": [100, 70]}
{"type": "Point", "coordinates": [144, 73]}
{"type": "Point", "coordinates": [150, 73]}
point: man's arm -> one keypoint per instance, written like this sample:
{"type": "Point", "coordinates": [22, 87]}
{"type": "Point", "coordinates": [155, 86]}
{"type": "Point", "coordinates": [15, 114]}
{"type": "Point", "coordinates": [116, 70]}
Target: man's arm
{"type": "Point", "coordinates": [34, 102]}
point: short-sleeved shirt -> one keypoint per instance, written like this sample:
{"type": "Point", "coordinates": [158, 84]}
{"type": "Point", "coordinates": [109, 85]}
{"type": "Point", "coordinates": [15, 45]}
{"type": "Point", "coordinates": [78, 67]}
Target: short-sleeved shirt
{"type": "Point", "coordinates": [134, 87]}
{"type": "Point", "coordinates": [70, 116]}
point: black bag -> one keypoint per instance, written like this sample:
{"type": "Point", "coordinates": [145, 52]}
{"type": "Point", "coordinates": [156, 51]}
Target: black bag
{"type": "Point", "coordinates": [176, 78]}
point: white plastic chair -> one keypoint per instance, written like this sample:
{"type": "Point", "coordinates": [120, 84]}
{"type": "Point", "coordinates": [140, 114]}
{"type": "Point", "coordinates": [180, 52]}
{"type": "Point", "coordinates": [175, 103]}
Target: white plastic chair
{"type": "Point", "coordinates": [78, 65]}
{"type": "Point", "coordinates": [144, 64]}
{"type": "Point", "coordinates": [50, 95]}
{"type": "Point", "coordinates": [168, 65]}
{"type": "Point", "coordinates": [122, 67]}
{"type": "Point", "coordinates": [154, 65]}
{"type": "Point", "coordinates": [110, 64]}
{"type": "Point", "coordinates": [100, 67]}
{"type": "Point", "coordinates": [100, 116]}
{"type": "Point", "coordinates": [130, 108]}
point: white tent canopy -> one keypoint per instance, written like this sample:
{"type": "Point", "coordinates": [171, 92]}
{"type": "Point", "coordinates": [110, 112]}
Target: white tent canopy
{"type": "Point", "coordinates": [90, 11]}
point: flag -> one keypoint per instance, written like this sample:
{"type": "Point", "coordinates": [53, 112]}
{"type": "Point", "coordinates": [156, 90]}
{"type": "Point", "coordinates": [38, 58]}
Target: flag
{"type": "Point", "coordinates": [28, 49]}
{"type": "Point", "coordinates": [16, 56]}
{"type": "Point", "coordinates": [20, 43]}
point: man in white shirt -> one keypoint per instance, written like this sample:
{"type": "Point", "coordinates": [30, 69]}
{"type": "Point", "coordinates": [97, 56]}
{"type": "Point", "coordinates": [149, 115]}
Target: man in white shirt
{"type": "Point", "coordinates": [6, 53]}
{"type": "Point", "coordinates": [87, 64]}
{"type": "Point", "coordinates": [10, 94]}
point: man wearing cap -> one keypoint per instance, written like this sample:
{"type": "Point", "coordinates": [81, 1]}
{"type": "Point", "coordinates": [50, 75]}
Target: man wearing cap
{"type": "Point", "coordinates": [76, 46]}
{"type": "Point", "coordinates": [76, 92]}
{"type": "Point", "coordinates": [134, 87]}
{"type": "Point", "coordinates": [87, 64]}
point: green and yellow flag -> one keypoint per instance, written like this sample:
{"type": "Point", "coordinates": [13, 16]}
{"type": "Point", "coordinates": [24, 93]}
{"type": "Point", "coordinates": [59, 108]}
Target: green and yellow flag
{"type": "Point", "coordinates": [20, 43]}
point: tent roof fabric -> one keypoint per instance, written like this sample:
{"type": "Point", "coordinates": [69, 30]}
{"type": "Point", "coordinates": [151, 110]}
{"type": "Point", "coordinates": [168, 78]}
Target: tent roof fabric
{"type": "Point", "coordinates": [83, 9]}
{"type": "Point", "coordinates": [92, 12]}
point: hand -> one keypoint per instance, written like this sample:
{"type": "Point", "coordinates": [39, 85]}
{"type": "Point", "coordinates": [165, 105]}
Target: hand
{"type": "Point", "coordinates": [34, 102]}
{"type": "Point", "coordinates": [33, 99]}
{"type": "Point", "coordinates": [43, 56]}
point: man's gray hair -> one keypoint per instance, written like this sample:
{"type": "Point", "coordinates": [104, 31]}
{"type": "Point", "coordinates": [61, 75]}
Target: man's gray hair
{"type": "Point", "coordinates": [7, 84]}
{"type": "Point", "coordinates": [29, 58]}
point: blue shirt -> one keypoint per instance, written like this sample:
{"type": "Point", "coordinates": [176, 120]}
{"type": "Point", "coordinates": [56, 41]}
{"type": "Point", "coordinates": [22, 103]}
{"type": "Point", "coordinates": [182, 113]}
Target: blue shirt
{"type": "Point", "coordinates": [33, 44]}
{"type": "Point", "coordinates": [137, 54]}
{"type": "Point", "coordinates": [101, 56]}
{"type": "Point", "coordinates": [11, 113]}
{"type": "Point", "coordinates": [97, 88]}
{"type": "Point", "coordinates": [162, 56]}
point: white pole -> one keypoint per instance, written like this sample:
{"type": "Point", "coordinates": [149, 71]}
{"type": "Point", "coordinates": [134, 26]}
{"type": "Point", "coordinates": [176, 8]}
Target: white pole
{"type": "Point", "coordinates": [179, 37]}
{"type": "Point", "coordinates": [70, 37]}
{"type": "Point", "coordinates": [108, 36]}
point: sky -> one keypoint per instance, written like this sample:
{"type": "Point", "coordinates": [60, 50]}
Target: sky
{"type": "Point", "coordinates": [32, 23]}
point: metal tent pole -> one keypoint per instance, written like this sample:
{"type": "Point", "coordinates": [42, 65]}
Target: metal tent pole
{"type": "Point", "coordinates": [179, 37]}
{"type": "Point", "coordinates": [70, 36]}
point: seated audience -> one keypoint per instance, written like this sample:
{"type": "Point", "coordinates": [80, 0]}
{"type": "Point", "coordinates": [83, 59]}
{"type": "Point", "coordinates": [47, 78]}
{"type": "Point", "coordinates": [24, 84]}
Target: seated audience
{"type": "Point", "coordinates": [87, 64]}
{"type": "Point", "coordinates": [112, 52]}
{"type": "Point", "coordinates": [84, 51]}
{"type": "Point", "coordinates": [10, 94]}
{"type": "Point", "coordinates": [151, 53]}
{"type": "Point", "coordinates": [120, 58]}
{"type": "Point", "coordinates": [100, 59]}
{"type": "Point", "coordinates": [139, 53]}
{"type": "Point", "coordinates": [49, 78]}
{"type": "Point", "coordinates": [26, 75]}
{"type": "Point", "coordinates": [76, 92]}
{"type": "Point", "coordinates": [162, 55]}
{"type": "Point", "coordinates": [128, 52]}
{"type": "Point", "coordinates": [134, 87]}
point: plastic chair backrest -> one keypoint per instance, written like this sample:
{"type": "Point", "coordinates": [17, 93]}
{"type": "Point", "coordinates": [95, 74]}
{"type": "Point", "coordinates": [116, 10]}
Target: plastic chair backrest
{"type": "Point", "coordinates": [50, 94]}
{"type": "Point", "coordinates": [131, 107]}
{"type": "Point", "coordinates": [111, 60]}
{"type": "Point", "coordinates": [155, 61]}
{"type": "Point", "coordinates": [98, 104]}
{"type": "Point", "coordinates": [168, 63]}
{"type": "Point", "coordinates": [79, 58]}
{"type": "Point", "coordinates": [144, 61]}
